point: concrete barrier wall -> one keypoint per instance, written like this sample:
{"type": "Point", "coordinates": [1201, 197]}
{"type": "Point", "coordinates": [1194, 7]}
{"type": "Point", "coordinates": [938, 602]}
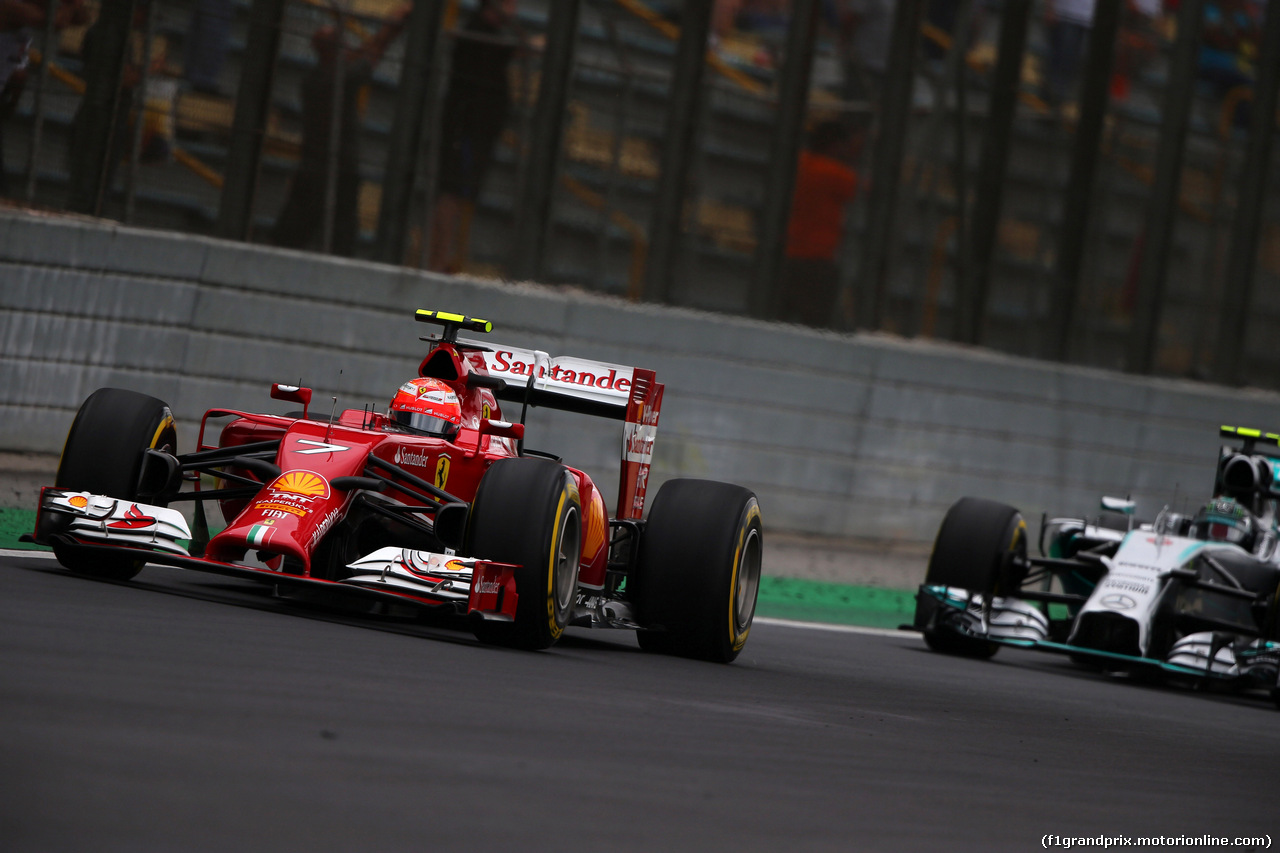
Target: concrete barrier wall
{"type": "Point", "coordinates": [840, 435]}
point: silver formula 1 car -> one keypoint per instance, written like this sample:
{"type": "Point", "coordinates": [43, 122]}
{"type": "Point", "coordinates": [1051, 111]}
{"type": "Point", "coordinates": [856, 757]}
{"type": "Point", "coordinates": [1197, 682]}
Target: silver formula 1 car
{"type": "Point", "coordinates": [1189, 598]}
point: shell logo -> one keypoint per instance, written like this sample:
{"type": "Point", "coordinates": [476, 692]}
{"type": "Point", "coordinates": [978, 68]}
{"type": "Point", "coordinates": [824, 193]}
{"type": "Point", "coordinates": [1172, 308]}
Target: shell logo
{"type": "Point", "coordinates": [303, 483]}
{"type": "Point", "coordinates": [78, 501]}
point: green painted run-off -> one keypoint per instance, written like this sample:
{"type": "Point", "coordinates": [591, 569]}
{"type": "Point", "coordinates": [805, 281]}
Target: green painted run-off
{"type": "Point", "coordinates": [837, 603]}
{"type": "Point", "coordinates": [14, 523]}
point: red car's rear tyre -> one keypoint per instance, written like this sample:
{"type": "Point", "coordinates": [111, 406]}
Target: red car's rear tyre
{"type": "Point", "coordinates": [698, 573]}
{"type": "Point", "coordinates": [527, 512]}
{"type": "Point", "coordinates": [103, 455]}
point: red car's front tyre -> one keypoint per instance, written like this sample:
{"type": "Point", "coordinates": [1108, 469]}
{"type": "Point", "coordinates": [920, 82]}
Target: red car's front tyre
{"type": "Point", "coordinates": [104, 455]}
{"type": "Point", "coordinates": [528, 512]}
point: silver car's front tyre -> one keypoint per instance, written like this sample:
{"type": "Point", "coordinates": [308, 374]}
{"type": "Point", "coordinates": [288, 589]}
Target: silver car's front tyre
{"type": "Point", "coordinates": [978, 545]}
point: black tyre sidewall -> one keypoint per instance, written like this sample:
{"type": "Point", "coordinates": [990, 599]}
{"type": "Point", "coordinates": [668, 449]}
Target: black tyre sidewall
{"type": "Point", "coordinates": [517, 517]}
{"type": "Point", "coordinates": [684, 583]}
{"type": "Point", "coordinates": [973, 546]}
{"type": "Point", "coordinates": [104, 448]}
{"type": "Point", "coordinates": [103, 455]}
{"type": "Point", "coordinates": [973, 551]}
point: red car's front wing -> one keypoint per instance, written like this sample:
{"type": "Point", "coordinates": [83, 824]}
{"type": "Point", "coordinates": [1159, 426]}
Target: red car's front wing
{"type": "Point", "coordinates": [492, 597]}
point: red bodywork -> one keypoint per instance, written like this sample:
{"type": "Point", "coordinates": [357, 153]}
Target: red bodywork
{"type": "Point", "coordinates": [292, 513]}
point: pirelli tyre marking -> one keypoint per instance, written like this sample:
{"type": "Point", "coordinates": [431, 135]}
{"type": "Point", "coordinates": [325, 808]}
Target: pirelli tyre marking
{"type": "Point", "coordinates": [166, 423]}
{"type": "Point", "coordinates": [742, 590]}
{"type": "Point", "coordinates": [563, 564]}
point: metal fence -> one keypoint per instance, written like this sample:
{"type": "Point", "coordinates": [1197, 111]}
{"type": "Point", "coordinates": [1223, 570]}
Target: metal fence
{"type": "Point", "coordinates": [647, 148]}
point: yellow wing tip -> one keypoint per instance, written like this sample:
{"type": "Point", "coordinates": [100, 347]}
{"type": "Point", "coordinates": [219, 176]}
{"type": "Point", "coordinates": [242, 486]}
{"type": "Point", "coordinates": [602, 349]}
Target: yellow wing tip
{"type": "Point", "coordinates": [471, 324]}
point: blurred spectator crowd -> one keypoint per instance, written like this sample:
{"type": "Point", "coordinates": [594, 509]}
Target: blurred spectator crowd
{"type": "Point", "coordinates": [321, 207]}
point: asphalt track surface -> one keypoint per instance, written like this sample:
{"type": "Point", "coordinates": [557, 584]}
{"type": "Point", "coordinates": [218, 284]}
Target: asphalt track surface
{"type": "Point", "coordinates": [185, 712]}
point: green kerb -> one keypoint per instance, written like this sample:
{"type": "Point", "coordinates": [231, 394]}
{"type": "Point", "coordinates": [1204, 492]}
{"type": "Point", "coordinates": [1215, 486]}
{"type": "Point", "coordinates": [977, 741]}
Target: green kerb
{"type": "Point", "coordinates": [836, 603]}
{"type": "Point", "coordinates": [14, 523]}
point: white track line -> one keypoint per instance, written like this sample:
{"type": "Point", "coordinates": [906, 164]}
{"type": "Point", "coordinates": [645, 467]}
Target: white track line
{"type": "Point", "coordinates": [822, 626]}
{"type": "Point", "coordinates": [23, 552]}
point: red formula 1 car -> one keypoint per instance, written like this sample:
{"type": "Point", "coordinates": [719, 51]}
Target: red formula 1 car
{"type": "Point", "coordinates": [435, 504]}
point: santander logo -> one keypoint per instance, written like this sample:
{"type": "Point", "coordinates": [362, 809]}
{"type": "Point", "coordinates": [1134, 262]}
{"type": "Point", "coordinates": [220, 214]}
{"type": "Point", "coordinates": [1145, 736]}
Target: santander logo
{"type": "Point", "coordinates": [585, 374]}
{"type": "Point", "coordinates": [417, 458]}
{"type": "Point", "coordinates": [637, 441]}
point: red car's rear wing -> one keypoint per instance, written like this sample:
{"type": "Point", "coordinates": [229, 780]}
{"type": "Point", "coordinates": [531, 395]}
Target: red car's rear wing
{"type": "Point", "coordinates": [570, 384]}
{"type": "Point", "coordinates": [629, 394]}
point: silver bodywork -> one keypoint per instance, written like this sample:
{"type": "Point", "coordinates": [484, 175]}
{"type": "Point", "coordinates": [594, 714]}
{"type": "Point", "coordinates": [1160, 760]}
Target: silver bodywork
{"type": "Point", "coordinates": [1132, 591]}
{"type": "Point", "coordinates": [1136, 578]}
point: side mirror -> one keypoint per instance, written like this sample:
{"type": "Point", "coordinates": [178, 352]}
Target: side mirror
{"type": "Point", "coordinates": [293, 394]}
{"type": "Point", "coordinates": [1124, 506]}
{"type": "Point", "coordinates": [502, 428]}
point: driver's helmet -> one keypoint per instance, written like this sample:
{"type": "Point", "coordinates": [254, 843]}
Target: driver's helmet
{"type": "Point", "coordinates": [427, 407]}
{"type": "Point", "coordinates": [1226, 520]}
